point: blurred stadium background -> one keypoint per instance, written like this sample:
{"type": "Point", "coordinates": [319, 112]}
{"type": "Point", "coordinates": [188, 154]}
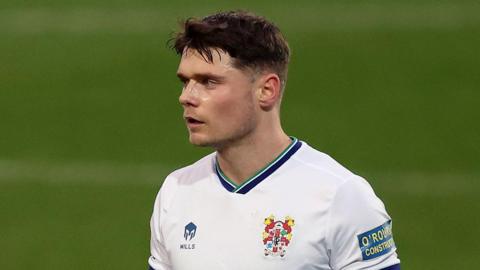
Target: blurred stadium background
{"type": "Point", "coordinates": [90, 124]}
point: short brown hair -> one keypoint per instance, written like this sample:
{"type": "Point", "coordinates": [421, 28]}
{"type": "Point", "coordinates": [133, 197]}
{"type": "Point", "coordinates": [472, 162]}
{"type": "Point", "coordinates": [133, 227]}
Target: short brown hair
{"type": "Point", "coordinates": [251, 40]}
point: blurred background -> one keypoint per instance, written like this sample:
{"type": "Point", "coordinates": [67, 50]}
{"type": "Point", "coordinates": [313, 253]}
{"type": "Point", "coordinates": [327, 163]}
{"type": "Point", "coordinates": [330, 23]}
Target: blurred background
{"type": "Point", "coordinates": [90, 122]}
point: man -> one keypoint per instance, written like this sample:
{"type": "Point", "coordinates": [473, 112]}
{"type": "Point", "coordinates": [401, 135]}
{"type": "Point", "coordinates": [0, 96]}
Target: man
{"type": "Point", "coordinates": [262, 200]}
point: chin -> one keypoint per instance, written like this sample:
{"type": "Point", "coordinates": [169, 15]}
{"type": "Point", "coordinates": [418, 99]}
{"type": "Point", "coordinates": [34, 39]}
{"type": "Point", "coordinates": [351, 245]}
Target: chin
{"type": "Point", "coordinates": [200, 141]}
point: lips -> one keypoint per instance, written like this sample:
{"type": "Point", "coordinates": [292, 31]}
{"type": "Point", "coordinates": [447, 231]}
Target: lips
{"type": "Point", "coordinates": [193, 122]}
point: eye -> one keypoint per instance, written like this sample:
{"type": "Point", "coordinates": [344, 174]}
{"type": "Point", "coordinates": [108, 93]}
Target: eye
{"type": "Point", "coordinates": [184, 82]}
{"type": "Point", "coordinates": [208, 82]}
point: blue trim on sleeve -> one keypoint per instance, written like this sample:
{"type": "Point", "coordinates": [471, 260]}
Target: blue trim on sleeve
{"type": "Point", "coordinates": [150, 268]}
{"type": "Point", "coordinates": [393, 267]}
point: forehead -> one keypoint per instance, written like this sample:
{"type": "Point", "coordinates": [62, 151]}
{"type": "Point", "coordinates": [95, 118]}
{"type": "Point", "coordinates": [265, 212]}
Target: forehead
{"type": "Point", "coordinates": [192, 62]}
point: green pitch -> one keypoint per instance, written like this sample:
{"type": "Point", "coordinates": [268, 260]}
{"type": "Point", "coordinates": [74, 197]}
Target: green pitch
{"type": "Point", "coordinates": [90, 122]}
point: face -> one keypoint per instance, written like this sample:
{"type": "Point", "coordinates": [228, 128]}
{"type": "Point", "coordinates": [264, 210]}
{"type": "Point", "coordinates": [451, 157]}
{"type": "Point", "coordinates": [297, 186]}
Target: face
{"type": "Point", "coordinates": [218, 100]}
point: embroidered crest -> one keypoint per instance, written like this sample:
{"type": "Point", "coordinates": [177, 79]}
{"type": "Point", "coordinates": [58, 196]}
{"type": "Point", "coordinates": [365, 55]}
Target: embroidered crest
{"type": "Point", "coordinates": [277, 235]}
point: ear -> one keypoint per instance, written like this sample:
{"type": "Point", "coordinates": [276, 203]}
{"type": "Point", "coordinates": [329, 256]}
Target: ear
{"type": "Point", "coordinates": [269, 90]}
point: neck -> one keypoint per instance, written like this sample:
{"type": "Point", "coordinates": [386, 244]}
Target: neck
{"type": "Point", "coordinates": [242, 159]}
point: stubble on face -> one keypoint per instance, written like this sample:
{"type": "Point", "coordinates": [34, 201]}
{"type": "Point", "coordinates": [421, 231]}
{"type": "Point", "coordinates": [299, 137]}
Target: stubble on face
{"type": "Point", "coordinates": [228, 111]}
{"type": "Point", "coordinates": [242, 128]}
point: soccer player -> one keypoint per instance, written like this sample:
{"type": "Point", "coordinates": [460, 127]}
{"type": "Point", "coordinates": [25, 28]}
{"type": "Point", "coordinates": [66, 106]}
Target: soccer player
{"type": "Point", "coordinates": [263, 199]}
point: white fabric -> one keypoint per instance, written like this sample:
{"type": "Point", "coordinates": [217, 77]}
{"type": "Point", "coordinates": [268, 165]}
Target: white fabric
{"type": "Point", "coordinates": [330, 207]}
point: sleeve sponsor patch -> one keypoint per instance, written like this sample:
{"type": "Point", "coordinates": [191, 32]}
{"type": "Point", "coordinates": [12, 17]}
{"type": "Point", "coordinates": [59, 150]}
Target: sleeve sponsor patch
{"type": "Point", "coordinates": [377, 241]}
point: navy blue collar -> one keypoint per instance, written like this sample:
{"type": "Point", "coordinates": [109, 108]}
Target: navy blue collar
{"type": "Point", "coordinates": [260, 175]}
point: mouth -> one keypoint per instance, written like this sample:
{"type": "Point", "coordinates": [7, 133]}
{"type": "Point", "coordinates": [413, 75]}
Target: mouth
{"type": "Point", "coordinates": [193, 121]}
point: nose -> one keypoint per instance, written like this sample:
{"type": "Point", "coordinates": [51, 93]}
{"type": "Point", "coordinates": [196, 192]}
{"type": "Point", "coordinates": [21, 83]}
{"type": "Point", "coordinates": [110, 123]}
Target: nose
{"type": "Point", "coordinates": [187, 98]}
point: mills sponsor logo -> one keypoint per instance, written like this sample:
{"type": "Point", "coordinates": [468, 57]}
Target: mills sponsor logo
{"type": "Point", "coordinates": [189, 233]}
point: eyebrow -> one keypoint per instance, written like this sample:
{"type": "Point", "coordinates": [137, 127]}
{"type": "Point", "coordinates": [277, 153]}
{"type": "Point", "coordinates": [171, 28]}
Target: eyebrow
{"type": "Point", "coordinates": [205, 75]}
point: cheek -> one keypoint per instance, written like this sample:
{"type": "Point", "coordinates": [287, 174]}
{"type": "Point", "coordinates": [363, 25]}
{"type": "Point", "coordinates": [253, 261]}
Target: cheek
{"type": "Point", "coordinates": [238, 111]}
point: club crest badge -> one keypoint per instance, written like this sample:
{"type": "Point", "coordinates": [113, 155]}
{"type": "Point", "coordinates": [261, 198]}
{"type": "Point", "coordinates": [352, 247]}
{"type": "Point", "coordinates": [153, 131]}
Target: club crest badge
{"type": "Point", "coordinates": [277, 235]}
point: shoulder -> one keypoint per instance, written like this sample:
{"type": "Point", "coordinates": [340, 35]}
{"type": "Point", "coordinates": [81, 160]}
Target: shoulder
{"type": "Point", "coordinates": [187, 176]}
{"type": "Point", "coordinates": [349, 195]}
{"type": "Point", "coordinates": [192, 173]}
{"type": "Point", "coordinates": [354, 213]}
{"type": "Point", "coordinates": [321, 166]}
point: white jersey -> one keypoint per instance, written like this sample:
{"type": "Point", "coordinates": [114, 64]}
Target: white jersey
{"type": "Point", "coordinates": [302, 211]}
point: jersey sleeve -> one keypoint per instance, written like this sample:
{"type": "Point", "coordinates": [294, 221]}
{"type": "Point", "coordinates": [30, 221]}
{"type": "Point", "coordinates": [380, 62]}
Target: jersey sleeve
{"type": "Point", "coordinates": [360, 230]}
{"type": "Point", "coordinates": [158, 254]}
